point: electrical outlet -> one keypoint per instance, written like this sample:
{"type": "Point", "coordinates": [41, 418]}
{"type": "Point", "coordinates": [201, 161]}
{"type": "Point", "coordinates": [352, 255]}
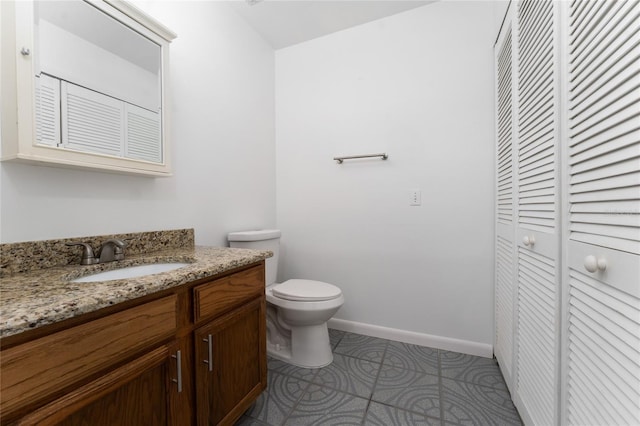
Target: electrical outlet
{"type": "Point", "coordinates": [415, 197]}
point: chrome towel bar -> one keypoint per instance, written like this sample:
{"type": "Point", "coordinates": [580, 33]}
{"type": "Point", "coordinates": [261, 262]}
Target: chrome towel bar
{"type": "Point", "coordinates": [383, 156]}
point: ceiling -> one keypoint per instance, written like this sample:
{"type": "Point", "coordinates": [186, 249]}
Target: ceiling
{"type": "Point", "coordinates": [284, 23]}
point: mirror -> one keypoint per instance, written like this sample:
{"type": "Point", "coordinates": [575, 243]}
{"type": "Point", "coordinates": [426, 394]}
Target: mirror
{"type": "Point", "coordinates": [98, 83]}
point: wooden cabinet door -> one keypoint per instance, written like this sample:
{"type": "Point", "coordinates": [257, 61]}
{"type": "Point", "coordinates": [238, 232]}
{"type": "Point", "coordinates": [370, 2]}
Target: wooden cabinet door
{"type": "Point", "coordinates": [36, 372]}
{"type": "Point", "coordinates": [137, 393]}
{"type": "Point", "coordinates": [231, 363]}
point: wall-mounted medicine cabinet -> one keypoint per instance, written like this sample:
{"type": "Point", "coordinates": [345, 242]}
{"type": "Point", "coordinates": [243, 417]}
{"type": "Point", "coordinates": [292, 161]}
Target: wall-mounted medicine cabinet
{"type": "Point", "coordinates": [85, 84]}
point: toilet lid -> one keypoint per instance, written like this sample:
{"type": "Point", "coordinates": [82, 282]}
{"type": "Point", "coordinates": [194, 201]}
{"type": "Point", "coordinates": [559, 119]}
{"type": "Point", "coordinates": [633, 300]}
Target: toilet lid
{"type": "Point", "coordinates": [306, 290]}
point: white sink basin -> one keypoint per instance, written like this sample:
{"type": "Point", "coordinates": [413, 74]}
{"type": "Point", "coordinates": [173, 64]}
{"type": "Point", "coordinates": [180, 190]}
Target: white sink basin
{"type": "Point", "coordinates": [130, 272]}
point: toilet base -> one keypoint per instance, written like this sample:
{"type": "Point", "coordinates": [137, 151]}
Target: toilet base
{"type": "Point", "coordinates": [309, 347]}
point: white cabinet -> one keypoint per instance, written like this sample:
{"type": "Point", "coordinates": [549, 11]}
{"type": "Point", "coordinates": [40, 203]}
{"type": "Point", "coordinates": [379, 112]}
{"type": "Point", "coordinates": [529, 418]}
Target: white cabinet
{"type": "Point", "coordinates": [85, 84]}
{"type": "Point", "coordinates": [568, 211]}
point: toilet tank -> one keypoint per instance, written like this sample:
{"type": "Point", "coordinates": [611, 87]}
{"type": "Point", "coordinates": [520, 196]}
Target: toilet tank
{"type": "Point", "coordinates": [265, 239]}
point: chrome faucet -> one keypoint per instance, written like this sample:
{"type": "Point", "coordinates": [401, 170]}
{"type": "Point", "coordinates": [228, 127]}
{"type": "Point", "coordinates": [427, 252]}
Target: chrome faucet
{"type": "Point", "coordinates": [111, 250]}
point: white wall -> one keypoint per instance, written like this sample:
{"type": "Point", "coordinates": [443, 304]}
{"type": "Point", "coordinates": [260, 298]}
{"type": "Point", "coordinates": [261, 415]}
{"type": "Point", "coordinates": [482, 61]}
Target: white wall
{"type": "Point", "coordinates": [222, 77]}
{"type": "Point", "coordinates": [419, 86]}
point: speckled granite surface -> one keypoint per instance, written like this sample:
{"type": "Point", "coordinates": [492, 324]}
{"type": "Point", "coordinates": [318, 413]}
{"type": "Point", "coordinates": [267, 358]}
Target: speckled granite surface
{"type": "Point", "coordinates": [33, 255]}
{"type": "Point", "coordinates": [44, 296]}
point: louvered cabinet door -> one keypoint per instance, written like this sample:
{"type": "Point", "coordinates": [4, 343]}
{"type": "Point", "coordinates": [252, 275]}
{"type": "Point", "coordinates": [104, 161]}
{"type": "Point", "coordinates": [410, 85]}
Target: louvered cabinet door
{"type": "Point", "coordinates": [91, 121]}
{"type": "Point", "coordinates": [601, 378]}
{"type": "Point", "coordinates": [537, 229]}
{"type": "Point", "coordinates": [47, 106]}
{"type": "Point", "coordinates": [504, 250]}
{"type": "Point", "coordinates": [142, 134]}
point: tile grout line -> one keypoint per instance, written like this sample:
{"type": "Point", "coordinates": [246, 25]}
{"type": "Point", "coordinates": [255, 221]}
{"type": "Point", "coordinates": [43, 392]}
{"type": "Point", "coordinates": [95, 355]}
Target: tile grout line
{"type": "Point", "coordinates": [337, 342]}
{"type": "Point", "coordinates": [440, 399]}
{"type": "Point", "coordinates": [375, 383]}
{"type": "Point", "coordinates": [382, 364]}
{"type": "Point", "coordinates": [295, 405]}
{"type": "Point", "coordinates": [366, 410]}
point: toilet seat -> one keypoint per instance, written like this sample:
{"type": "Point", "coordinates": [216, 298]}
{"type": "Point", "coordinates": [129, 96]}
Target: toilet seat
{"type": "Point", "coordinates": [306, 291]}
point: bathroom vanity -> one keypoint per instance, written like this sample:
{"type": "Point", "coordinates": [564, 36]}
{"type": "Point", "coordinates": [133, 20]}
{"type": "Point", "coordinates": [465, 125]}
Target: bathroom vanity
{"type": "Point", "coordinates": [182, 347]}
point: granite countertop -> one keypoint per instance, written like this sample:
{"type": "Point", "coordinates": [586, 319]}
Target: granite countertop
{"type": "Point", "coordinates": [33, 299]}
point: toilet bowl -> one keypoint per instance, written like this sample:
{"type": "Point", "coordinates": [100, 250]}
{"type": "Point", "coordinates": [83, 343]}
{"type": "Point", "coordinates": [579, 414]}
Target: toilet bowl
{"type": "Point", "coordinates": [301, 336]}
{"type": "Point", "coordinates": [297, 309]}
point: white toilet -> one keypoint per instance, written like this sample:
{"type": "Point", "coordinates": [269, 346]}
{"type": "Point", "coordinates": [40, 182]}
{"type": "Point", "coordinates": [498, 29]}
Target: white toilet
{"type": "Point", "coordinates": [297, 310]}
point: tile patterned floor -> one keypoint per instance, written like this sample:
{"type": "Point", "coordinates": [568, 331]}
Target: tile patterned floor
{"type": "Point", "coordinates": [381, 382]}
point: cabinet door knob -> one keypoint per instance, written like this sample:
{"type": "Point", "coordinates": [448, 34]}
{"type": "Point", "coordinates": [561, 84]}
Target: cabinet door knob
{"type": "Point", "coordinates": [594, 264]}
{"type": "Point", "coordinates": [528, 240]}
{"type": "Point", "coordinates": [25, 51]}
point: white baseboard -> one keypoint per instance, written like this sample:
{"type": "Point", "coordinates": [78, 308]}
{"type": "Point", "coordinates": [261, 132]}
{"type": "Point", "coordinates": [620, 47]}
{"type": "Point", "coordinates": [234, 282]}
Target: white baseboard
{"type": "Point", "coordinates": [439, 342]}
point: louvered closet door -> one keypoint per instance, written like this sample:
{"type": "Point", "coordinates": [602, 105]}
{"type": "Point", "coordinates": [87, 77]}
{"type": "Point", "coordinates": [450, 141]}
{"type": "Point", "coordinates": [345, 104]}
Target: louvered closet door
{"type": "Point", "coordinates": [602, 304]}
{"type": "Point", "coordinates": [537, 230]}
{"type": "Point", "coordinates": [505, 276]}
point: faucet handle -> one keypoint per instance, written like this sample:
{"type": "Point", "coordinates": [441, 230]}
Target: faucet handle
{"type": "Point", "coordinates": [112, 249]}
{"type": "Point", "coordinates": [118, 244]}
{"type": "Point", "coordinates": [88, 258]}
{"type": "Point", "coordinates": [120, 250]}
{"type": "Point", "coordinates": [118, 247]}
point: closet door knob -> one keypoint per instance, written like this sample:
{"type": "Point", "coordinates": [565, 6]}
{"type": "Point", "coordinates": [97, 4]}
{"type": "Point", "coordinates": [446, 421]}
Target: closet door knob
{"type": "Point", "coordinates": [528, 240]}
{"type": "Point", "coordinates": [594, 264]}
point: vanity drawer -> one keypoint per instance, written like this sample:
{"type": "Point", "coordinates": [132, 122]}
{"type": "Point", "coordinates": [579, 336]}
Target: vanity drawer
{"type": "Point", "coordinates": [32, 371]}
{"type": "Point", "coordinates": [218, 296]}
